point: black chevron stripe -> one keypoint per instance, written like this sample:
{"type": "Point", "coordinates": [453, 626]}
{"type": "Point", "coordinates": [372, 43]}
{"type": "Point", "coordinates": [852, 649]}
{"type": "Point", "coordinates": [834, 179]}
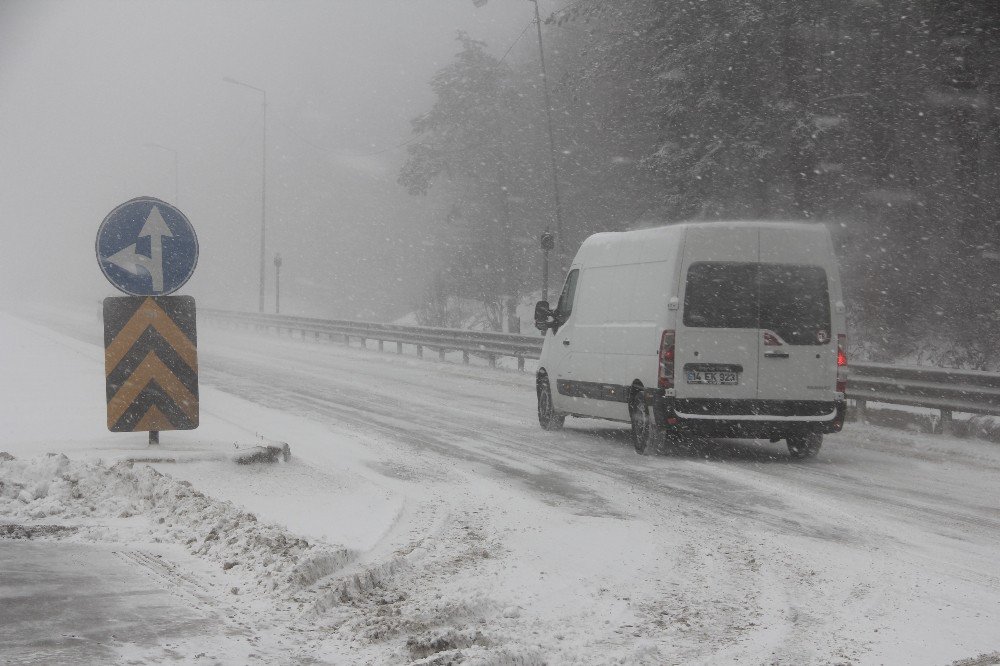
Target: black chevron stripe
{"type": "Point", "coordinates": [153, 395]}
{"type": "Point", "coordinates": [119, 310]}
{"type": "Point", "coordinates": [151, 340]}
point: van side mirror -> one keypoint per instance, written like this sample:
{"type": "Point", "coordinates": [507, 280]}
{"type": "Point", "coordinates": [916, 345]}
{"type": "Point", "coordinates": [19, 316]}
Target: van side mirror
{"type": "Point", "coordinates": [543, 316]}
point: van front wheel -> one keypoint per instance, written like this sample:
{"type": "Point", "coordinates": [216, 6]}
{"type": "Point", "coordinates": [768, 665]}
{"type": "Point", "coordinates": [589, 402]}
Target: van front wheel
{"type": "Point", "coordinates": [548, 417]}
{"type": "Point", "coordinates": [805, 445]}
{"type": "Point", "coordinates": [646, 437]}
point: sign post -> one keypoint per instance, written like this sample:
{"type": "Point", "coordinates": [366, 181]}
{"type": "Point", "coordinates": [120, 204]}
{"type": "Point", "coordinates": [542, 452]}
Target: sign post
{"type": "Point", "coordinates": [148, 249]}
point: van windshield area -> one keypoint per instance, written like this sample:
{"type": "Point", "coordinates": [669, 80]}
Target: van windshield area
{"type": "Point", "coordinates": [791, 300]}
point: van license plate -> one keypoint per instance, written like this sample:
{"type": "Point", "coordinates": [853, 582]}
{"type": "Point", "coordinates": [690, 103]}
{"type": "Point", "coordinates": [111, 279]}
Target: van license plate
{"type": "Point", "coordinates": [727, 378]}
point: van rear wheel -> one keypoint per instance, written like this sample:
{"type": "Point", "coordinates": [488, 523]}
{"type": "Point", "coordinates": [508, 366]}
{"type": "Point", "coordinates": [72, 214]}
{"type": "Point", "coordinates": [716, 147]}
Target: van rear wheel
{"type": "Point", "coordinates": [647, 438]}
{"type": "Point", "coordinates": [804, 445]}
{"type": "Point", "coordinates": [548, 417]}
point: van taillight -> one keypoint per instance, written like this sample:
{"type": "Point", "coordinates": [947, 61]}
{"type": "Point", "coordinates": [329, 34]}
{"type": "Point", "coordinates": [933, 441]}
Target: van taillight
{"type": "Point", "coordinates": [841, 363]}
{"type": "Point", "coordinates": [665, 378]}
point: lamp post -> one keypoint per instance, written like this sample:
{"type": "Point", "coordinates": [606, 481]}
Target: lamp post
{"type": "Point", "coordinates": [277, 283]}
{"type": "Point", "coordinates": [549, 239]}
{"type": "Point", "coordinates": [170, 150]}
{"type": "Point", "coordinates": [548, 119]}
{"type": "Point", "coordinates": [263, 180]}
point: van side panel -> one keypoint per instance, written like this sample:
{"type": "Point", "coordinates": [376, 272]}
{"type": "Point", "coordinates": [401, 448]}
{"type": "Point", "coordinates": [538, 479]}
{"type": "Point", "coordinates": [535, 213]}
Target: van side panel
{"type": "Point", "coordinates": [632, 330]}
{"type": "Point", "coordinates": [582, 338]}
{"type": "Point", "coordinates": [639, 314]}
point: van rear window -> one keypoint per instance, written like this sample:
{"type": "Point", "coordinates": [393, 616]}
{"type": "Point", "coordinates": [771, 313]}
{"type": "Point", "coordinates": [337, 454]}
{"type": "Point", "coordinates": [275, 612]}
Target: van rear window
{"type": "Point", "coordinates": [721, 296]}
{"type": "Point", "coordinates": [791, 300]}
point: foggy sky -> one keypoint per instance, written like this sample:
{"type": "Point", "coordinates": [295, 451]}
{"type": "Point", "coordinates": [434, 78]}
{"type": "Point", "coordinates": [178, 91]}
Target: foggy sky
{"type": "Point", "coordinates": [86, 86]}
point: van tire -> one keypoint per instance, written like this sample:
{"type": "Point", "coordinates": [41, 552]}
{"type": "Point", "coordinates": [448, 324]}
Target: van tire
{"type": "Point", "coordinates": [647, 438]}
{"type": "Point", "coordinates": [804, 445]}
{"type": "Point", "coordinates": [548, 417]}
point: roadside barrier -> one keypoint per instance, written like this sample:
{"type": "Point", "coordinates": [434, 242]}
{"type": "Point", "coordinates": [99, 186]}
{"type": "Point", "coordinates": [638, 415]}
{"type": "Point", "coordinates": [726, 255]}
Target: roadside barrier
{"type": "Point", "coordinates": [943, 389]}
{"type": "Point", "coordinates": [471, 343]}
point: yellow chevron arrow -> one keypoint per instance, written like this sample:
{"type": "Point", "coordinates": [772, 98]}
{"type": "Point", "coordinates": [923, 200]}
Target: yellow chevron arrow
{"type": "Point", "coordinates": [149, 313]}
{"type": "Point", "coordinates": [151, 368]}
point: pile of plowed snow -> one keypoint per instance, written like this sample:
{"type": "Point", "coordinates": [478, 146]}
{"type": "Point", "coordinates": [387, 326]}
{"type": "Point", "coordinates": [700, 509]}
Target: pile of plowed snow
{"type": "Point", "coordinates": [103, 500]}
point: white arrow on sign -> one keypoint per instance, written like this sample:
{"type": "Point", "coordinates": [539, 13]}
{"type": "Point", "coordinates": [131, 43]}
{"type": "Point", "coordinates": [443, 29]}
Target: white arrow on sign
{"type": "Point", "coordinates": [130, 260]}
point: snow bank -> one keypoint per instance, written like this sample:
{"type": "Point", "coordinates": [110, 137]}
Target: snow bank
{"type": "Point", "coordinates": [267, 557]}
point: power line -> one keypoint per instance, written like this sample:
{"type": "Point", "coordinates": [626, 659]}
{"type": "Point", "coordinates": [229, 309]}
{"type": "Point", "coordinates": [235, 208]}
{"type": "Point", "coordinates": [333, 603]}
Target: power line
{"type": "Point", "coordinates": [514, 43]}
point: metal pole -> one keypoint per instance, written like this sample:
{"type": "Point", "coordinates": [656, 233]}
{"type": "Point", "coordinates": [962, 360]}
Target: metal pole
{"type": "Point", "coordinates": [548, 118]}
{"type": "Point", "coordinates": [154, 437]}
{"type": "Point", "coordinates": [263, 197]}
{"type": "Point", "coordinates": [277, 284]}
{"type": "Point", "coordinates": [545, 275]}
{"type": "Point", "coordinates": [548, 242]}
{"type": "Point", "coordinates": [263, 183]}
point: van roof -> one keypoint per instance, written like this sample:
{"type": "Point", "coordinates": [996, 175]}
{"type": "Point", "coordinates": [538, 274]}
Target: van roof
{"type": "Point", "coordinates": [649, 244]}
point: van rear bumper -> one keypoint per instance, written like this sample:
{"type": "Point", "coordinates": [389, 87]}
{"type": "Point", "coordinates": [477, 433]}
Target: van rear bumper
{"type": "Point", "coordinates": [746, 418]}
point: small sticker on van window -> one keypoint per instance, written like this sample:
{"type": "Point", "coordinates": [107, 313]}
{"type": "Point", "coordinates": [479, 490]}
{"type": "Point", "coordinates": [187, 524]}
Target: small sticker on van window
{"type": "Point", "coordinates": [822, 336]}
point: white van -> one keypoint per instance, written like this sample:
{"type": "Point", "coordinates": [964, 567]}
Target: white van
{"type": "Point", "coordinates": [723, 329]}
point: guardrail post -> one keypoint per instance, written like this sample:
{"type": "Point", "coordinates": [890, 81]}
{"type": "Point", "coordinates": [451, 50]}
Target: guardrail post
{"type": "Point", "coordinates": [946, 424]}
{"type": "Point", "coordinates": [493, 360]}
{"type": "Point", "coordinates": [465, 357]}
{"type": "Point", "coordinates": [381, 345]}
{"type": "Point", "coordinates": [347, 339]}
{"type": "Point", "coordinates": [420, 351]}
{"type": "Point", "coordinates": [364, 343]}
{"type": "Point", "coordinates": [441, 354]}
{"type": "Point", "coordinates": [860, 405]}
{"type": "Point", "coordinates": [520, 363]}
{"type": "Point", "coordinates": [399, 347]}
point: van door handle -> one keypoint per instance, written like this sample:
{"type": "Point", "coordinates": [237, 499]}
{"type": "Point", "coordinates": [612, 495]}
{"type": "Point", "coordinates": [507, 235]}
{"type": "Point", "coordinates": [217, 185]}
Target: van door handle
{"type": "Point", "coordinates": [566, 342]}
{"type": "Point", "coordinates": [775, 354]}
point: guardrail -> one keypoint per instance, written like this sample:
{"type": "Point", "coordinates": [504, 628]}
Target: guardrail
{"type": "Point", "coordinates": [917, 386]}
{"type": "Point", "coordinates": [476, 343]}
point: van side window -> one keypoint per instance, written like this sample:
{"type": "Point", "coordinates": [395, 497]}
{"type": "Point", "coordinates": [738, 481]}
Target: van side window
{"type": "Point", "coordinates": [565, 307]}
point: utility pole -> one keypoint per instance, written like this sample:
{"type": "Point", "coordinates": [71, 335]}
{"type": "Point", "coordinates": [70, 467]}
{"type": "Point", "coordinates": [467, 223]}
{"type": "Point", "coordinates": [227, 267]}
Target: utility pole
{"type": "Point", "coordinates": [558, 237]}
{"type": "Point", "coordinates": [263, 181]}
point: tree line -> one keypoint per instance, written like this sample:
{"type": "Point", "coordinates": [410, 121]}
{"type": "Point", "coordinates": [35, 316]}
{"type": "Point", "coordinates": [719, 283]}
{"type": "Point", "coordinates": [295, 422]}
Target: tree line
{"type": "Point", "coordinates": [880, 118]}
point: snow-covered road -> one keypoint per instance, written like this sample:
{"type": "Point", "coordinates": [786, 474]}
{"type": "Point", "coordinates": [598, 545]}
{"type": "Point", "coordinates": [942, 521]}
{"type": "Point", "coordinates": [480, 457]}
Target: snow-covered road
{"type": "Point", "coordinates": [472, 531]}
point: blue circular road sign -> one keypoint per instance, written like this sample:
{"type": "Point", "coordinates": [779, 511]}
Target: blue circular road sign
{"type": "Point", "coordinates": [146, 247]}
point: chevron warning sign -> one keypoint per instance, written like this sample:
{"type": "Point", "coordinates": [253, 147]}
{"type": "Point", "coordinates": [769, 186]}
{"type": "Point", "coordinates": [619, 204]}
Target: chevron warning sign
{"type": "Point", "coordinates": [151, 363]}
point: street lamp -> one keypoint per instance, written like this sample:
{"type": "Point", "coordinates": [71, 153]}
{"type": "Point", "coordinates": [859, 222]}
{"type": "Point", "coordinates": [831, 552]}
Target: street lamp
{"type": "Point", "coordinates": [277, 283]}
{"type": "Point", "coordinates": [548, 238]}
{"type": "Point", "coordinates": [263, 179]}
{"type": "Point", "coordinates": [170, 150]}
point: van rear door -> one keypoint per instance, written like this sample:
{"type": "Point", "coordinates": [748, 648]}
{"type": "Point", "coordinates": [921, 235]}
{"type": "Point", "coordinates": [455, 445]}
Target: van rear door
{"type": "Point", "coordinates": [798, 346]}
{"type": "Point", "coordinates": [717, 348]}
